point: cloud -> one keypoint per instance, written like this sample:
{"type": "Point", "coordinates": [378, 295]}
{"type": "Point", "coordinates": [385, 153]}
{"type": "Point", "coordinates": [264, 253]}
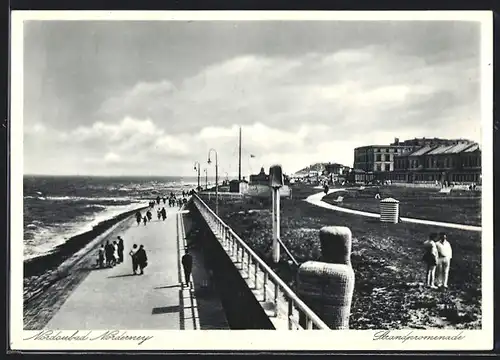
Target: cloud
{"type": "Point", "coordinates": [295, 107]}
{"type": "Point", "coordinates": [112, 158]}
{"type": "Point", "coordinates": [311, 88]}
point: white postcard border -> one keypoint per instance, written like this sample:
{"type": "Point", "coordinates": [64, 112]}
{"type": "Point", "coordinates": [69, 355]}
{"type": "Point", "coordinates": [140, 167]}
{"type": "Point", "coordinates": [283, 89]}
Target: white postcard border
{"type": "Point", "coordinates": [248, 339]}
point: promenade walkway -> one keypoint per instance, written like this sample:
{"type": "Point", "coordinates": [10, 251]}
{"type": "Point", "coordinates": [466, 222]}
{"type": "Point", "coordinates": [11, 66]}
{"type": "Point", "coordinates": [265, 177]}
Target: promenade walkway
{"type": "Point", "coordinates": [114, 298]}
{"type": "Point", "coordinates": [315, 199]}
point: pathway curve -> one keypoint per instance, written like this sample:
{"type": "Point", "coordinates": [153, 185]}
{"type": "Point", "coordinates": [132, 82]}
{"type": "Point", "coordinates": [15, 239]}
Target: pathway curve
{"type": "Point", "coordinates": [315, 199]}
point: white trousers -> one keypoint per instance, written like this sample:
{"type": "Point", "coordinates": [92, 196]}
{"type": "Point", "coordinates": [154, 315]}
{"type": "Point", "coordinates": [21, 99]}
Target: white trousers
{"type": "Point", "coordinates": [443, 270]}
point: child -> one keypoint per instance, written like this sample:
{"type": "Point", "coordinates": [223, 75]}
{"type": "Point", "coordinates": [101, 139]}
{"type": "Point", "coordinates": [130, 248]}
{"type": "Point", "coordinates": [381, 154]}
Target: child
{"type": "Point", "coordinates": [431, 258]}
{"type": "Point", "coordinates": [100, 258]}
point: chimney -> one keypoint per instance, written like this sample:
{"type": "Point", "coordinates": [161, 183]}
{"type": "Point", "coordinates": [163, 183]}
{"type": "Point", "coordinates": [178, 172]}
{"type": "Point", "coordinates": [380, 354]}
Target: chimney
{"type": "Point", "coordinates": [396, 141]}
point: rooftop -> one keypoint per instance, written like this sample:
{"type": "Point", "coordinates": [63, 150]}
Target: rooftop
{"type": "Point", "coordinates": [420, 151]}
{"type": "Point", "coordinates": [473, 148]}
{"type": "Point", "coordinates": [451, 149]}
{"type": "Point", "coordinates": [382, 146]}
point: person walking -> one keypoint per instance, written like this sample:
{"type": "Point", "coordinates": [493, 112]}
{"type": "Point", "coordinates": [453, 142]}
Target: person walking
{"type": "Point", "coordinates": [121, 248]}
{"type": "Point", "coordinates": [115, 251]}
{"type": "Point", "coordinates": [430, 259]}
{"type": "Point", "coordinates": [158, 199]}
{"type": "Point", "coordinates": [158, 214]}
{"type": "Point", "coordinates": [132, 253]}
{"type": "Point", "coordinates": [187, 265]}
{"type": "Point", "coordinates": [444, 260]}
{"type": "Point", "coordinates": [145, 219]}
{"type": "Point", "coordinates": [163, 213]}
{"type": "Point", "coordinates": [109, 249]}
{"type": "Point", "coordinates": [138, 217]}
{"type": "Point", "coordinates": [164, 200]}
{"type": "Point", "coordinates": [149, 215]}
{"type": "Point", "coordinates": [101, 257]}
{"type": "Point", "coordinates": [141, 258]}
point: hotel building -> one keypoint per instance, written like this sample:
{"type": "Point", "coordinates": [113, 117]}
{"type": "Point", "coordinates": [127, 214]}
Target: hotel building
{"type": "Point", "coordinates": [418, 159]}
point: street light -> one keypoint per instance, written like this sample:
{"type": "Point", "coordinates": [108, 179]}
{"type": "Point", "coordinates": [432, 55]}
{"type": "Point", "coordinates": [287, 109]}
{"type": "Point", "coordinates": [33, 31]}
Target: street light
{"type": "Point", "coordinates": [197, 168]}
{"type": "Point", "coordinates": [216, 179]}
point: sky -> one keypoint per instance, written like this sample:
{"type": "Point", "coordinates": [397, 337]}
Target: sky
{"type": "Point", "coordinates": [152, 97]}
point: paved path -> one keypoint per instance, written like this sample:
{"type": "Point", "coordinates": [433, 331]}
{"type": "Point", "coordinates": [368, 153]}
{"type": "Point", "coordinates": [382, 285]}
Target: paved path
{"type": "Point", "coordinates": [315, 199]}
{"type": "Point", "coordinates": [116, 299]}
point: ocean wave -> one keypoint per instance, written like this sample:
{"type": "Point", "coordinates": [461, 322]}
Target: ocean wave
{"type": "Point", "coordinates": [96, 206]}
{"type": "Point", "coordinates": [89, 198]}
{"type": "Point", "coordinates": [43, 240]}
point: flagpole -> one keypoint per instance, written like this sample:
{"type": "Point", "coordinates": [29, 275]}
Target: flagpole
{"type": "Point", "coordinates": [239, 159]}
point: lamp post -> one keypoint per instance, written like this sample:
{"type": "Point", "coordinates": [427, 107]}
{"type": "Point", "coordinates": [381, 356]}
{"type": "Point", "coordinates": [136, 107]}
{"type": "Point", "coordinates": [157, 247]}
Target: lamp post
{"type": "Point", "coordinates": [216, 179]}
{"type": "Point", "coordinates": [206, 178]}
{"type": "Point", "coordinates": [197, 167]}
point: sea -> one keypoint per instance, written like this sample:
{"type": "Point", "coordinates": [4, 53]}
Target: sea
{"type": "Point", "coordinates": [57, 208]}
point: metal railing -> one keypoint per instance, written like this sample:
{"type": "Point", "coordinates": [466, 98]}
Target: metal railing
{"type": "Point", "coordinates": [222, 195]}
{"type": "Point", "coordinates": [258, 274]}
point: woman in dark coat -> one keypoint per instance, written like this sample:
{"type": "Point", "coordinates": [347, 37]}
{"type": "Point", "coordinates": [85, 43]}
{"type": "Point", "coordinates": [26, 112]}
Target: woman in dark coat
{"type": "Point", "coordinates": [120, 249]}
{"type": "Point", "coordinates": [110, 259]}
{"type": "Point", "coordinates": [141, 259]}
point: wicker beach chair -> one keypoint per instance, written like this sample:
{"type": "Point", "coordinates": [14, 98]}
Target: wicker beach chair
{"type": "Point", "coordinates": [339, 200]}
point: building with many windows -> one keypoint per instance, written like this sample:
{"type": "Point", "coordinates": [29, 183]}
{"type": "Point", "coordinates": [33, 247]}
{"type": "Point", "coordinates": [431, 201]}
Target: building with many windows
{"type": "Point", "coordinates": [375, 159]}
{"type": "Point", "coordinates": [410, 160]}
{"type": "Point", "coordinates": [443, 163]}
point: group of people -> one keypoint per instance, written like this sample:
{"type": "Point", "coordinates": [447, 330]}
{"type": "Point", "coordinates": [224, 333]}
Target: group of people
{"type": "Point", "coordinates": [111, 254]}
{"type": "Point", "coordinates": [446, 184]}
{"type": "Point", "coordinates": [437, 257]}
{"type": "Point", "coordinates": [161, 213]}
{"type": "Point", "coordinates": [174, 201]}
{"type": "Point", "coordinates": [139, 259]}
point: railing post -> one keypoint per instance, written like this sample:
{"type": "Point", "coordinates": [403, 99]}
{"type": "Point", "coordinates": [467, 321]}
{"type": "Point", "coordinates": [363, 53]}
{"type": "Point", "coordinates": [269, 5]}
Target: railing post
{"type": "Point", "coordinates": [265, 285]}
{"type": "Point", "coordinates": [248, 264]}
{"type": "Point", "coordinates": [290, 313]}
{"type": "Point", "coordinates": [256, 268]}
{"type": "Point", "coordinates": [276, 294]}
{"type": "Point", "coordinates": [224, 235]}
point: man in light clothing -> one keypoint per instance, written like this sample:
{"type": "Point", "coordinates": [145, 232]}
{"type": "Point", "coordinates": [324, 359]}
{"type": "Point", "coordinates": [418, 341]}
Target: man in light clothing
{"type": "Point", "coordinates": [444, 259]}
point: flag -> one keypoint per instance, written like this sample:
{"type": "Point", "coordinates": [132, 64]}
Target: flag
{"type": "Point", "coordinates": [252, 156]}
